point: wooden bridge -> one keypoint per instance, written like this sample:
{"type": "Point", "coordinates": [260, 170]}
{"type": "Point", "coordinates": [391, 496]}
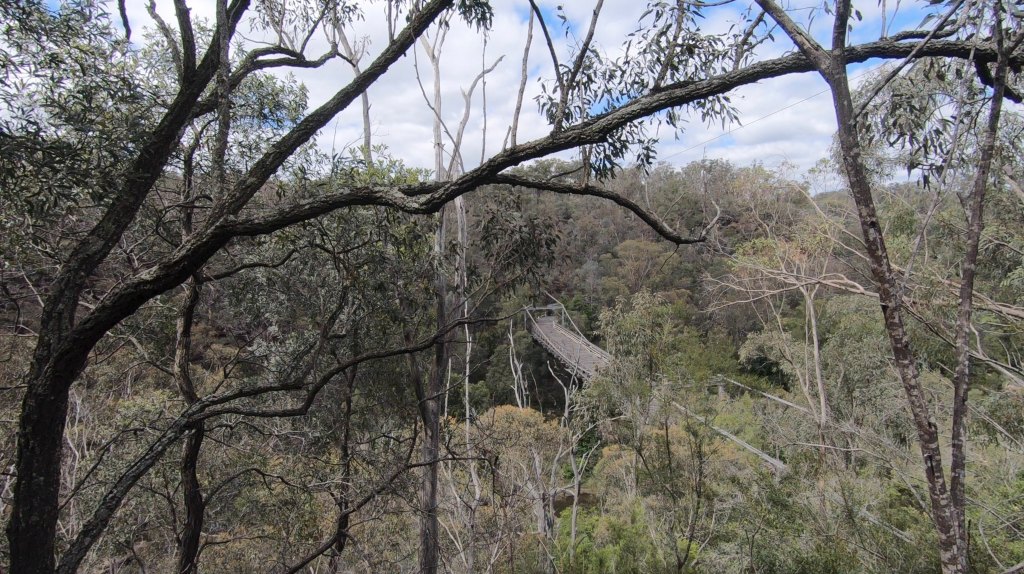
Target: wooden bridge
{"type": "Point", "coordinates": [552, 327]}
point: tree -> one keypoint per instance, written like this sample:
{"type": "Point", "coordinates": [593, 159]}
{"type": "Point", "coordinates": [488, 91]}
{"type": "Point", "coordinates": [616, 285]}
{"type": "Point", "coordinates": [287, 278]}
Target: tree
{"type": "Point", "coordinates": [948, 502]}
{"type": "Point", "coordinates": [91, 136]}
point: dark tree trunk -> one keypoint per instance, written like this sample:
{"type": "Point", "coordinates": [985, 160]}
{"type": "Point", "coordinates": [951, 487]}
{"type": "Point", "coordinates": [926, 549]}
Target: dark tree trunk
{"type": "Point", "coordinates": [344, 499]}
{"type": "Point", "coordinates": [33, 522]}
{"type": "Point", "coordinates": [340, 537]}
{"type": "Point", "coordinates": [428, 402]}
{"type": "Point", "coordinates": [975, 225]}
{"type": "Point", "coordinates": [430, 409]}
{"type": "Point", "coordinates": [892, 312]}
{"type": "Point", "coordinates": [195, 506]}
{"type": "Point", "coordinates": [192, 490]}
{"type": "Point", "coordinates": [429, 541]}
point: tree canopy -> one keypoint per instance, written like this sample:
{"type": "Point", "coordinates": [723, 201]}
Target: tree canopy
{"type": "Point", "coordinates": [323, 335]}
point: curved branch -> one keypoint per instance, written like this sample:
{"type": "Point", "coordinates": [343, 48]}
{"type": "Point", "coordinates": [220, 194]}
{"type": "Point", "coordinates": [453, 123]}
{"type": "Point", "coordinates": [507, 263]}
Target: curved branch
{"type": "Point", "coordinates": [577, 66]}
{"type": "Point", "coordinates": [429, 197]}
{"type": "Point", "coordinates": [653, 221]}
{"type": "Point", "coordinates": [551, 46]}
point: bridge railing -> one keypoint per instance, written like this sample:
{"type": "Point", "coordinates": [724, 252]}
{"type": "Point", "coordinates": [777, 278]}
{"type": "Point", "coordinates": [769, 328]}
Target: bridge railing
{"type": "Point", "coordinates": [570, 346]}
{"type": "Point", "coordinates": [565, 322]}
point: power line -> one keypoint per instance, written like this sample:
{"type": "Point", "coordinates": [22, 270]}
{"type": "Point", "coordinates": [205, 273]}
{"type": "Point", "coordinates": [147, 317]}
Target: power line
{"type": "Point", "coordinates": [766, 116]}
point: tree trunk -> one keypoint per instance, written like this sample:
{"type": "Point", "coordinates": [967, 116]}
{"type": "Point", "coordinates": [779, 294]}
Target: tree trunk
{"type": "Point", "coordinates": [345, 497]}
{"type": "Point", "coordinates": [32, 527]}
{"type": "Point", "coordinates": [831, 64]}
{"type": "Point", "coordinates": [431, 413]}
{"type": "Point", "coordinates": [429, 540]}
{"type": "Point", "coordinates": [341, 537]}
{"type": "Point", "coordinates": [892, 311]}
{"type": "Point", "coordinates": [195, 506]}
{"type": "Point", "coordinates": [430, 398]}
{"type": "Point", "coordinates": [31, 531]}
{"type": "Point", "coordinates": [961, 378]}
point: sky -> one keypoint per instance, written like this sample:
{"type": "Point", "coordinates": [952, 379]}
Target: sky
{"type": "Point", "coordinates": [782, 121]}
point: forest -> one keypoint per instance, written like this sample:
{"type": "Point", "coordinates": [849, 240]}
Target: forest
{"type": "Point", "coordinates": [227, 347]}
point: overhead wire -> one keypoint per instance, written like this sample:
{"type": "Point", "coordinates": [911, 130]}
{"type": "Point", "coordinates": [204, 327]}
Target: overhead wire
{"type": "Point", "coordinates": [764, 117]}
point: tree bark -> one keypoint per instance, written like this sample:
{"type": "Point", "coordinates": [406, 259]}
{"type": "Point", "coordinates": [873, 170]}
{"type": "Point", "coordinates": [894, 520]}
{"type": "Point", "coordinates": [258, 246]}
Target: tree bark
{"type": "Point", "coordinates": [32, 527]}
{"type": "Point", "coordinates": [961, 377]}
{"type": "Point", "coordinates": [344, 498]}
{"type": "Point", "coordinates": [892, 312]}
{"type": "Point", "coordinates": [430, 398]}
{"type": "Point", "coordinates": [431, 413]}
{"type": "Point", "coordinates": [429, 539]}
{"type": "Point", "coordinates": [192, 491]}
{"type": "Point", "coordinates": [195, 506]}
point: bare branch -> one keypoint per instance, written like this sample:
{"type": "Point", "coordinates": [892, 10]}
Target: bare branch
{"type": "Point", "coordinates": [651, 220]}
{"type": "Point", "coordinates": [570, 83]}
{"type": "Point", "coordinates": [265, 167]}
{"type": "Point", "coordinates": [251, 265]}
{"type": "Point", "coordinates": [551, 47]}
{"type": "Point", "coordinates": [523, 73]}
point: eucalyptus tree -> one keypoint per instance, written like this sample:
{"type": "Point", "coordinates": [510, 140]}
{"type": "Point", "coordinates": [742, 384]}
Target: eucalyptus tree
{"type": "Point", "coordinates": [948, 500]}
{"type": "Point", "coordinates": [431, 393]}
{"type": "Point", "coordinates": [89, 135]}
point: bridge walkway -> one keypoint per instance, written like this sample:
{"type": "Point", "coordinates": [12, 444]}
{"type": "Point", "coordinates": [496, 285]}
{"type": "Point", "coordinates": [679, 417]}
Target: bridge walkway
{"type": "Point", "coordinates": [567, 345]}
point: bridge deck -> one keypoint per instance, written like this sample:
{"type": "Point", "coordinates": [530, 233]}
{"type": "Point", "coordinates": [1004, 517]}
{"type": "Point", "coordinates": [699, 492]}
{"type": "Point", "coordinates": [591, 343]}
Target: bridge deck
{"type": "Point", "coordinates": [573, 350]}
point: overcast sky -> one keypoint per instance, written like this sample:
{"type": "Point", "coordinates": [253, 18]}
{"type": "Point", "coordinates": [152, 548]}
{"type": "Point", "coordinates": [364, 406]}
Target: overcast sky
{"type": "Point", "coordinates": [783, 120]}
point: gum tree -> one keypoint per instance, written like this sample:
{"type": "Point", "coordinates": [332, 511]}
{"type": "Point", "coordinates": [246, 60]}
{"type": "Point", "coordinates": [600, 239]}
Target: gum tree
{"type": "Point", "coordinates": [946, 494]}
{"type": "Point", "coordinates": [88, 138]}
